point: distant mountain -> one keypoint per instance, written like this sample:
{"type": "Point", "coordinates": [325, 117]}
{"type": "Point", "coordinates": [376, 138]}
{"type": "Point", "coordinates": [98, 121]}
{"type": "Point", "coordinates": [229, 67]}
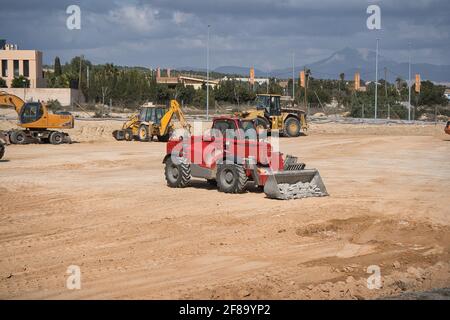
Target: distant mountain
{"type": "Point", "coordinates": [348, 61]}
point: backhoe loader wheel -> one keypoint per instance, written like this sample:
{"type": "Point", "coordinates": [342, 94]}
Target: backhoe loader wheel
{"type": "Point", "coordinates": [231, 178]}
{"type": "Point", "coordinates": [143, 133]}
{"type": "Point", "coordinates": [128, 135]}
{"type": "Point", "coordinates": [56, 137]}
{"type": "Point", "coordinates": [18, 137]}
{"type": "Point", "coordinates": [292, 127]}
{"type": "Point", "coordinates": [178, 175]}
{"type": "Point", "coordinates": [164, 138]}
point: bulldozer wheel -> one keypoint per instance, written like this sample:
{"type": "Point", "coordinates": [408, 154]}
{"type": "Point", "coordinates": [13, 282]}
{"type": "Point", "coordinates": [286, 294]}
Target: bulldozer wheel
{"type": "Point", "coordinates": [128, 135]}
{"type": "Point", "coordinates": [143, 133]}
{"type": "Point", "coordinates": [2, 150]}
{"type": "Point", "coordinates": [292, 127]}
{"type": "Point", "coordinates": [177, 175]}
{"type": "Point", "coordinates": [231, 178]}
{"type": "Point", "coordinates": [56, 137]}
{"type": "Point", "coordinates": [18, 137]}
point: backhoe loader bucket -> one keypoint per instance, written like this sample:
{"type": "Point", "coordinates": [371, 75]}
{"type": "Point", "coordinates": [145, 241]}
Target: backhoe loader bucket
{"type": "Point", "coordinates": [295, 184]}
{"type": "Point", "coordinates": [119, 135]}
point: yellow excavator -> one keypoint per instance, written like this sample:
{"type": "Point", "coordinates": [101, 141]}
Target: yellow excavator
{"type": "Point", "coordinates": [37, 122]}
{"type": "Point", "coordinates": [269, 115]}
{"type": "Point", "coordinates": [152, 121]}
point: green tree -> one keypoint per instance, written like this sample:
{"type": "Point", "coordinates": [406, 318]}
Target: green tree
{"type": "Point", "coordinates": [20, 82]}
{"type": "Point", "coordinates": [57, 67]}
{"type": "Point", "coordinates": [3, 83]}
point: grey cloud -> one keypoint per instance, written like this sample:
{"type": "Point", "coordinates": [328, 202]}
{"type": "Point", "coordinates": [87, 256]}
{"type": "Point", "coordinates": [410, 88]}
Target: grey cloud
{"type": "Point", "coordinates": [262, 33]}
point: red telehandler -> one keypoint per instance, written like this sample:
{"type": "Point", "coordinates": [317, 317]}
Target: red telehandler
{"type": "Point", "coordinates": [231, 154]}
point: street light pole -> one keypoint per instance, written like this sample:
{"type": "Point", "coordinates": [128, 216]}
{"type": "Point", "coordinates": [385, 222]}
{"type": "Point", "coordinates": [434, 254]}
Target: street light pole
{"type": "Point", "coordinates": [207, 76]}
{"type": "Point", "coordinates": [409, 83]}
{"type": "Point", "coordinates": [293, 78]}
{"type": "Point", "coordinates": [376, 80]}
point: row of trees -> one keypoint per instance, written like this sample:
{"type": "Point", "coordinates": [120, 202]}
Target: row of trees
{"type": "Point", "coordinates": [132, 87]}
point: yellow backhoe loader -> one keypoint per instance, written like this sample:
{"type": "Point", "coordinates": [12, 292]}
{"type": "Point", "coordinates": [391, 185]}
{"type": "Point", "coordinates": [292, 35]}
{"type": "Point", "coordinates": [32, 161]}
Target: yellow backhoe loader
{"type": "Point", "coordinates": [269, 115]}
{"type": "Point", "coordinates": [152, 121]}
{"type": "Point", "coordinates": [37, 122]}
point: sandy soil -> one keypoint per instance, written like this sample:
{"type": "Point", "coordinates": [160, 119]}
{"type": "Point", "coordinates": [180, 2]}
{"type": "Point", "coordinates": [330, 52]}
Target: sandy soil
{"type": "Point", "coordinates": [104, 206]}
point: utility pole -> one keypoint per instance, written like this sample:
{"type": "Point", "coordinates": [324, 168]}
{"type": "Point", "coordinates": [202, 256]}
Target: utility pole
{"type": "Point", "coordinates": [293, 79]}
{"type": "Point", "coordinates": [306, 85]}
{"type": "Point", "coordinates": [207, 76]}
{"type": "Point", "coordinates": [409, 83]}
{"type": "Point", "coordinates": [79, 80]}
{"type": "Point", "coordinates": [376, 80]}
{"type": "Point", "coordinates": [386, 95]}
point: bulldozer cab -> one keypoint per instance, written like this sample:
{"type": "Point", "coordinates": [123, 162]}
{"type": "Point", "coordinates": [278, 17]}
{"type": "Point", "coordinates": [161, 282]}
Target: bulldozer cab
{"type": "Point", "coordinates": [269, 103]}
{"type": "Point", "coordinates": [31, 112]}
{"type": "Point", "coordinates": [153, 114]}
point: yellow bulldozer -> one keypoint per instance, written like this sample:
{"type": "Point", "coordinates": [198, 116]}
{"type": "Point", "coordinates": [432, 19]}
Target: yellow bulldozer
{"type": "Point", "coordinates": [269, 115]}
{"type": "Point", "coordinates": [37, 122]}
{"type": "Point", "coordinates": [152, 121]}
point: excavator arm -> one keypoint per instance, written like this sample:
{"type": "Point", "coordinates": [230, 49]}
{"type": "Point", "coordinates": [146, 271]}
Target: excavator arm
{"type": "Point", "coordinates": [174, 109]}
{"type": "Point", "coordinates": [11, 100]}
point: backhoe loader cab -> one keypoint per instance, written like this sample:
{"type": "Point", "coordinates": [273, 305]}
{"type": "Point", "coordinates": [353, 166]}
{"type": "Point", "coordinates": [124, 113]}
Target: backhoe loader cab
{"type": "Point", "coordinates": [152, 114]}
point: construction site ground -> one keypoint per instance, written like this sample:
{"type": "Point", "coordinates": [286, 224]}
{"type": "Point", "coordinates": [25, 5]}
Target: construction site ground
{"type": "Point", "coordinates": [103, 205]}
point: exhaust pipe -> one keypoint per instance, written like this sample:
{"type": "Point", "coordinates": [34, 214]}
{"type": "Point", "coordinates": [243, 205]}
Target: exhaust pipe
{"type": "Point", "coordinates": [295, 184]}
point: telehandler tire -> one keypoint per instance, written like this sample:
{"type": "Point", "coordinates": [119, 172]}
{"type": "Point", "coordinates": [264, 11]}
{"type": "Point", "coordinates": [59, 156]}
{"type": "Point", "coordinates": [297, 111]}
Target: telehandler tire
{"type": "Point", "coordinates": [178, 175]}
{"type": "Point", "coordinates": [231, 178]}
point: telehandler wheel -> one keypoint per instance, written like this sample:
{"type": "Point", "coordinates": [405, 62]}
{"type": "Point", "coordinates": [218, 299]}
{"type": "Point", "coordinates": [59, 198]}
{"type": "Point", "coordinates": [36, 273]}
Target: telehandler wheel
{"type": "Point", "coordinates": [178, 175]}
{"type": "Point", "coordinates": [212, 182]}
{"type": "Point", "coordinates": [56, 137]}
{"type": "Point", "coordinates": [231, 178]}
{"type": "Point", "coordinates": [128, 135]}
{"type": "Point", "coordinates": [292, 127]}
{"type": "Point", "coordinates": [143, 133]}
{"type": "Point", "coordinates": [18, 137]}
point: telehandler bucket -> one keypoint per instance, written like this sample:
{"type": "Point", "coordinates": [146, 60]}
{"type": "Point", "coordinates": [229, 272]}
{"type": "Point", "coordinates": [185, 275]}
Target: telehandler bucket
{"type": "Point", "coordinates": [295, 184]}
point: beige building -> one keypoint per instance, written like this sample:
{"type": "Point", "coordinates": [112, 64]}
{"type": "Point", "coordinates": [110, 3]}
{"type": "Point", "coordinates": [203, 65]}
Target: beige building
{"type": "Point", "coordinates": [27, 63]}
{"type": "Point", "coordinates": [195, 82]}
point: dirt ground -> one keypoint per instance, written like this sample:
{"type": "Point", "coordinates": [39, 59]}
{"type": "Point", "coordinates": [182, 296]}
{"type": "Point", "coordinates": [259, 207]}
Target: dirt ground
{"type": "Point", "coordinates": [104, 206]}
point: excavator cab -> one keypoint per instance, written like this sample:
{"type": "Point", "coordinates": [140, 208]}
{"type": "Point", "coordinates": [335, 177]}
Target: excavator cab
{"type": "Point", "coordinates": [31, 112]}
{"type": "Point", "coordinates": [269, 103]}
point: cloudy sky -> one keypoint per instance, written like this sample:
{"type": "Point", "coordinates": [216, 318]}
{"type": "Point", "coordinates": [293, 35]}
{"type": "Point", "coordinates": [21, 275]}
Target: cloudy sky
{"type": "Point", "coordinates": [262, 33]}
